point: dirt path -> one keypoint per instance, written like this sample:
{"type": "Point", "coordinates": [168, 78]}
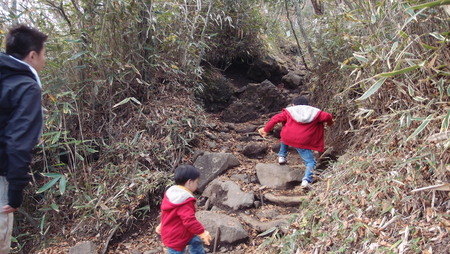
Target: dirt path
{"type": "Point", "coordinates": [143, 239]}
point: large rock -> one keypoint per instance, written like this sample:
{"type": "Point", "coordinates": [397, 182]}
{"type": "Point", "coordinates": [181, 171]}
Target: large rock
{"type": "Point", "coordinates": [213, 164]}
{"type": "Point", "coordinates": [292, 80]}
{"type": "Point", "coordinates": [228, 195]}
{"type": "Point", "coordinates": [255, 99]}
{"type": "Point", "coordinates": [86, 247]}
{"type": "Point", "coordinates": [255, 150]}
{"type": "Point", "coordinates": [215, 92]}
{"type": "Point", "coordinates": [282, 223]}
{"type": "Point", "coordinates": [285, 200]}
{"type": "Point", "coordinates": [231, 230]}
{"type": "Point", "coordinates": [267, 68]}
{"type": "Point", "coordinates": [277, 176]}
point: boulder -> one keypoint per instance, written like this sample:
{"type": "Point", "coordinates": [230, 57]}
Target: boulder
{"type": "Point", "coordinates": [267, 67]}
{"type": "Point", "coordinates": [262, 226]}
{"type": "Point", "coordinates": [292, 80]}
{"type": "Point", "coordinates": [228, 195]}
{"type": "Point", "coordinates": [213, 164]}
{"type": "Point", "coordinates": [247, 129]}
{"type": "Point", "coordinates": [230, 229]}
{"type": "Point", "coordinates": [277, 176]}
{"type": "Point", "coordinates": [255, 100]}
{"type": "Point", "coordinates": [255, 150]}
{"type": "Point", "coordinates": [86, 247]}
{"type": "Point", "coordinates": [285, 200]}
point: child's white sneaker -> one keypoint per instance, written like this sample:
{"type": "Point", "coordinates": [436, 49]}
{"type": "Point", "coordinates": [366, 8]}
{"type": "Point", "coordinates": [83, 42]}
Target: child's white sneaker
{"type": "Point", "coordinates": [282, 160]}
{"type": "Point", "coordinates": [304, 184]}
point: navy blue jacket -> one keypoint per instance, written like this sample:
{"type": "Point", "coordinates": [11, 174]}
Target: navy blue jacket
{"type": "Point", "coordinates": [20, 124]}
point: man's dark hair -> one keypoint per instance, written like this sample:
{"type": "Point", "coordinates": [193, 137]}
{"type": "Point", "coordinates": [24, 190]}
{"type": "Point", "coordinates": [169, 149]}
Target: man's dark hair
{"type": "Point", "coordinates": [21, 40]}
{"type": "Point", "coordinates": [184, 173]}
{"type": "Point", "coordinates": [301, 100]}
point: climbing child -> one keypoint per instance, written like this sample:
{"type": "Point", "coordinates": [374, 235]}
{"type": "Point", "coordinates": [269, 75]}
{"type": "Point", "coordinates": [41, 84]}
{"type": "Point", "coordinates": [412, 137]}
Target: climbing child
{"type": "Point", "coordinates": [303, 129]}
{"type": "Point", "coordinates": [179, 227]}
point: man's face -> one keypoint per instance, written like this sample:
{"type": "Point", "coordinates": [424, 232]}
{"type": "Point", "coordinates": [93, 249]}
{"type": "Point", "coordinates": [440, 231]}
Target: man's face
{"type": "Point", "coordinates": [36, 60]}
{"type": "Point", "coordinates": [40, 60]}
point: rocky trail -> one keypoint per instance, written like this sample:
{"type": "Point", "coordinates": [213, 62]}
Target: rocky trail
{"type": "Point", "coordinates": [250, 197]}
{"type": "Point", "coordinates": [244, 195]}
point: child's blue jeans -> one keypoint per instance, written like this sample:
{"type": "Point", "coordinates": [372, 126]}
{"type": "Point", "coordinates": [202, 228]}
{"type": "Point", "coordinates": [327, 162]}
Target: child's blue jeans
{"type": "Point", "coordinates": [195, 247]}
{"type": "Point", "coordinates": [307, 156]}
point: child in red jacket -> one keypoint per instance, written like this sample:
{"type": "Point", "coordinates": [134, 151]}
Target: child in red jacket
{"type": "Point", "coordinates": [303, 129]}
{"type": "Point", "coordinates": [179, 227]}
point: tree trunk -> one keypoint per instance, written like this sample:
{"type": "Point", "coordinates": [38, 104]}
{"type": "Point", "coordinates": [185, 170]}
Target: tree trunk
{"type": "Point", "coordinates": [304, 35]}
{"type": "Point", "coordinates": [295, 34]}
{"type": "Point", "coordinates": [317, 5]}
{"type": "Point", "coordinates": [13, 11]}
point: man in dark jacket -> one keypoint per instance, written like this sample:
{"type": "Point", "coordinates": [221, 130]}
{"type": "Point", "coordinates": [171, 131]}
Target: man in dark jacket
{"type": "Point", "coordinates": [21, 118]}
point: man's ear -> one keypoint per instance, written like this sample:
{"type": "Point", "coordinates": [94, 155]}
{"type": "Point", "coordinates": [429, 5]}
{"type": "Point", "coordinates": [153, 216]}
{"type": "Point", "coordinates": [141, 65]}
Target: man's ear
{"type": "Point", "coordinates": [28, 58]}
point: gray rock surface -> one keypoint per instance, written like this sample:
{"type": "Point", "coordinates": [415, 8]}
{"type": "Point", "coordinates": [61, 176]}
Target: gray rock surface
{"type": "Point", "coordinates": [255, 150]}
{"type": "Point", "coordinates": [277, 176]}
{"type": "Point", "coordinates": [86, 247]}
{"type": "Point", "coordinates": [261, 226]}
{"type": "Point", "coordinates": [230, 229]}
{"type": "Point", "coordinates": [285, 200]}
{"type": "Point", "coordinates": [292, 80]}
{"type": "Point", "coordinates": [213, 164]}
{"type": "Point", "coordinates": [228, 195]}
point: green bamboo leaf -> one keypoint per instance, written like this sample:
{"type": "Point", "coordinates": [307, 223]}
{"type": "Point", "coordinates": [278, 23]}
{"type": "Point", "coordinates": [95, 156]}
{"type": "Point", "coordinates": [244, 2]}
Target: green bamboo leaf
{"type": "Point", "coordinates": [127, 100]}
{"type": "Point", "coordinates": [402, 71]}
{"type": "Point", "coordinates": [122, 102]}
{"type": "Point", "coordinates": [136, 101]}
{"type": "Point", "coordinates": [430, 4]}
{"type": "Point", "coordinates": [55, 207]}
{"type": "Point", "coordinates": [428, 46]}
{"type": "Point", "coordinates": [446, 122]}
{"type": "Point", "coordinates": [41, 225]}
{"type": "Point", "coordinates": [53, 175]}
{"type": "Point", "coordinates": [438, 36]}
{"type": "Point", "coordinates": [361, 58]}
{"type": "Point", "coordinates": [421, 127]}
{"type": "Point", "coordinates": [77, 55]}
{"type": "Point", "coordinates": [268, 231]}
{"type": "Point", "coordinates": [372, 89]}
{"type": "Point", "coordinates": [62, 184]}
{"type": "Point", "coordinates": [48, 185]}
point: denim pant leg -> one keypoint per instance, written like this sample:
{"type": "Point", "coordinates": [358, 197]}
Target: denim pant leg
{"type": "Point", "coordinates": [172, 251]}
{"type": "Point", "coordinates": [6, 220]}
{"type": "Point", "coordinates": [283, 150]}
{"type": "Point", "coordinates": [308, 157]}
{"type": "Point", "coordinates": [196, 245]}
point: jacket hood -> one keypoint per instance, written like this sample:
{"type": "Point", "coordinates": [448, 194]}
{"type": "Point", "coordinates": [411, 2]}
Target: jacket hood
{"type": "Point", "coordinates": [12, 66]}
{"type": "Point", "coordinates": [177, 196]}
{"type": "Point", "coordinates": [303, 113]}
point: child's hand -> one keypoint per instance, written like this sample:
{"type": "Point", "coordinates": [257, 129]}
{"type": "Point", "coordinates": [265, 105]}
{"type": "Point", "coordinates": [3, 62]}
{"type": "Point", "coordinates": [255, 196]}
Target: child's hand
{"type": "Point", "coordinates": [206, 237]}
{"type": "Point", "coordinates": [329, 124]}
{"type": "Point", "coordinates": [158, 229]}
{"type": "Point", "coordinates": [262, 132]}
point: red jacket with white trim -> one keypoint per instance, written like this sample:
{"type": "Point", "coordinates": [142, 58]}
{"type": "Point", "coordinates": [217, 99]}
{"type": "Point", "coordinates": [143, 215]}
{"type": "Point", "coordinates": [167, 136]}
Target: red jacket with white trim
{"type": "Point", "coordinates": [303, 126]}
{"type": "Point", "coordinates": [178, 222]}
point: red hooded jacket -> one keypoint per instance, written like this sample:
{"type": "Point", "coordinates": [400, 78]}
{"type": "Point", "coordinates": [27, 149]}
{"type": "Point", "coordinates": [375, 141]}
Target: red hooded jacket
{"type": "Point", "coordinates": [303, 126]}
{"type": "Point", "coordinates": [178, 222]}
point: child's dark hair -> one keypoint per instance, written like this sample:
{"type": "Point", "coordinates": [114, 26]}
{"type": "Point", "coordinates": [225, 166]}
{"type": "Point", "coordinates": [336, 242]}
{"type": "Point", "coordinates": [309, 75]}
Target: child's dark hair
{"type": "Point", "coordinates": [184, 173]}
{"type": "Point", "coordinates": [301, 100]}
{"type": "Point", "coordinates": [22, 39]}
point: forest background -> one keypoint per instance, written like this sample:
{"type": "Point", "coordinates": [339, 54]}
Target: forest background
{"type": "Point", "coordinates": [120, 109]}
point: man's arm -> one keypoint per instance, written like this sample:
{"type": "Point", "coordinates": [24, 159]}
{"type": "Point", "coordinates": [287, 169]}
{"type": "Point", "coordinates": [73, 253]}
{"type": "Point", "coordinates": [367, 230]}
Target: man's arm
{"type": "Point", "coordinates": [21, 135]}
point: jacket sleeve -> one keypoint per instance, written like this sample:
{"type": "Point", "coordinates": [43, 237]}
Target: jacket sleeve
{"type": "Point", "coordinates": [187, 215]}
{"type": "Point", "coordinates": [278, 118]}
{"type": "Point", "coordinates": [325, 117]}
{"type": "Point", "coordinates": [21, 135]}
